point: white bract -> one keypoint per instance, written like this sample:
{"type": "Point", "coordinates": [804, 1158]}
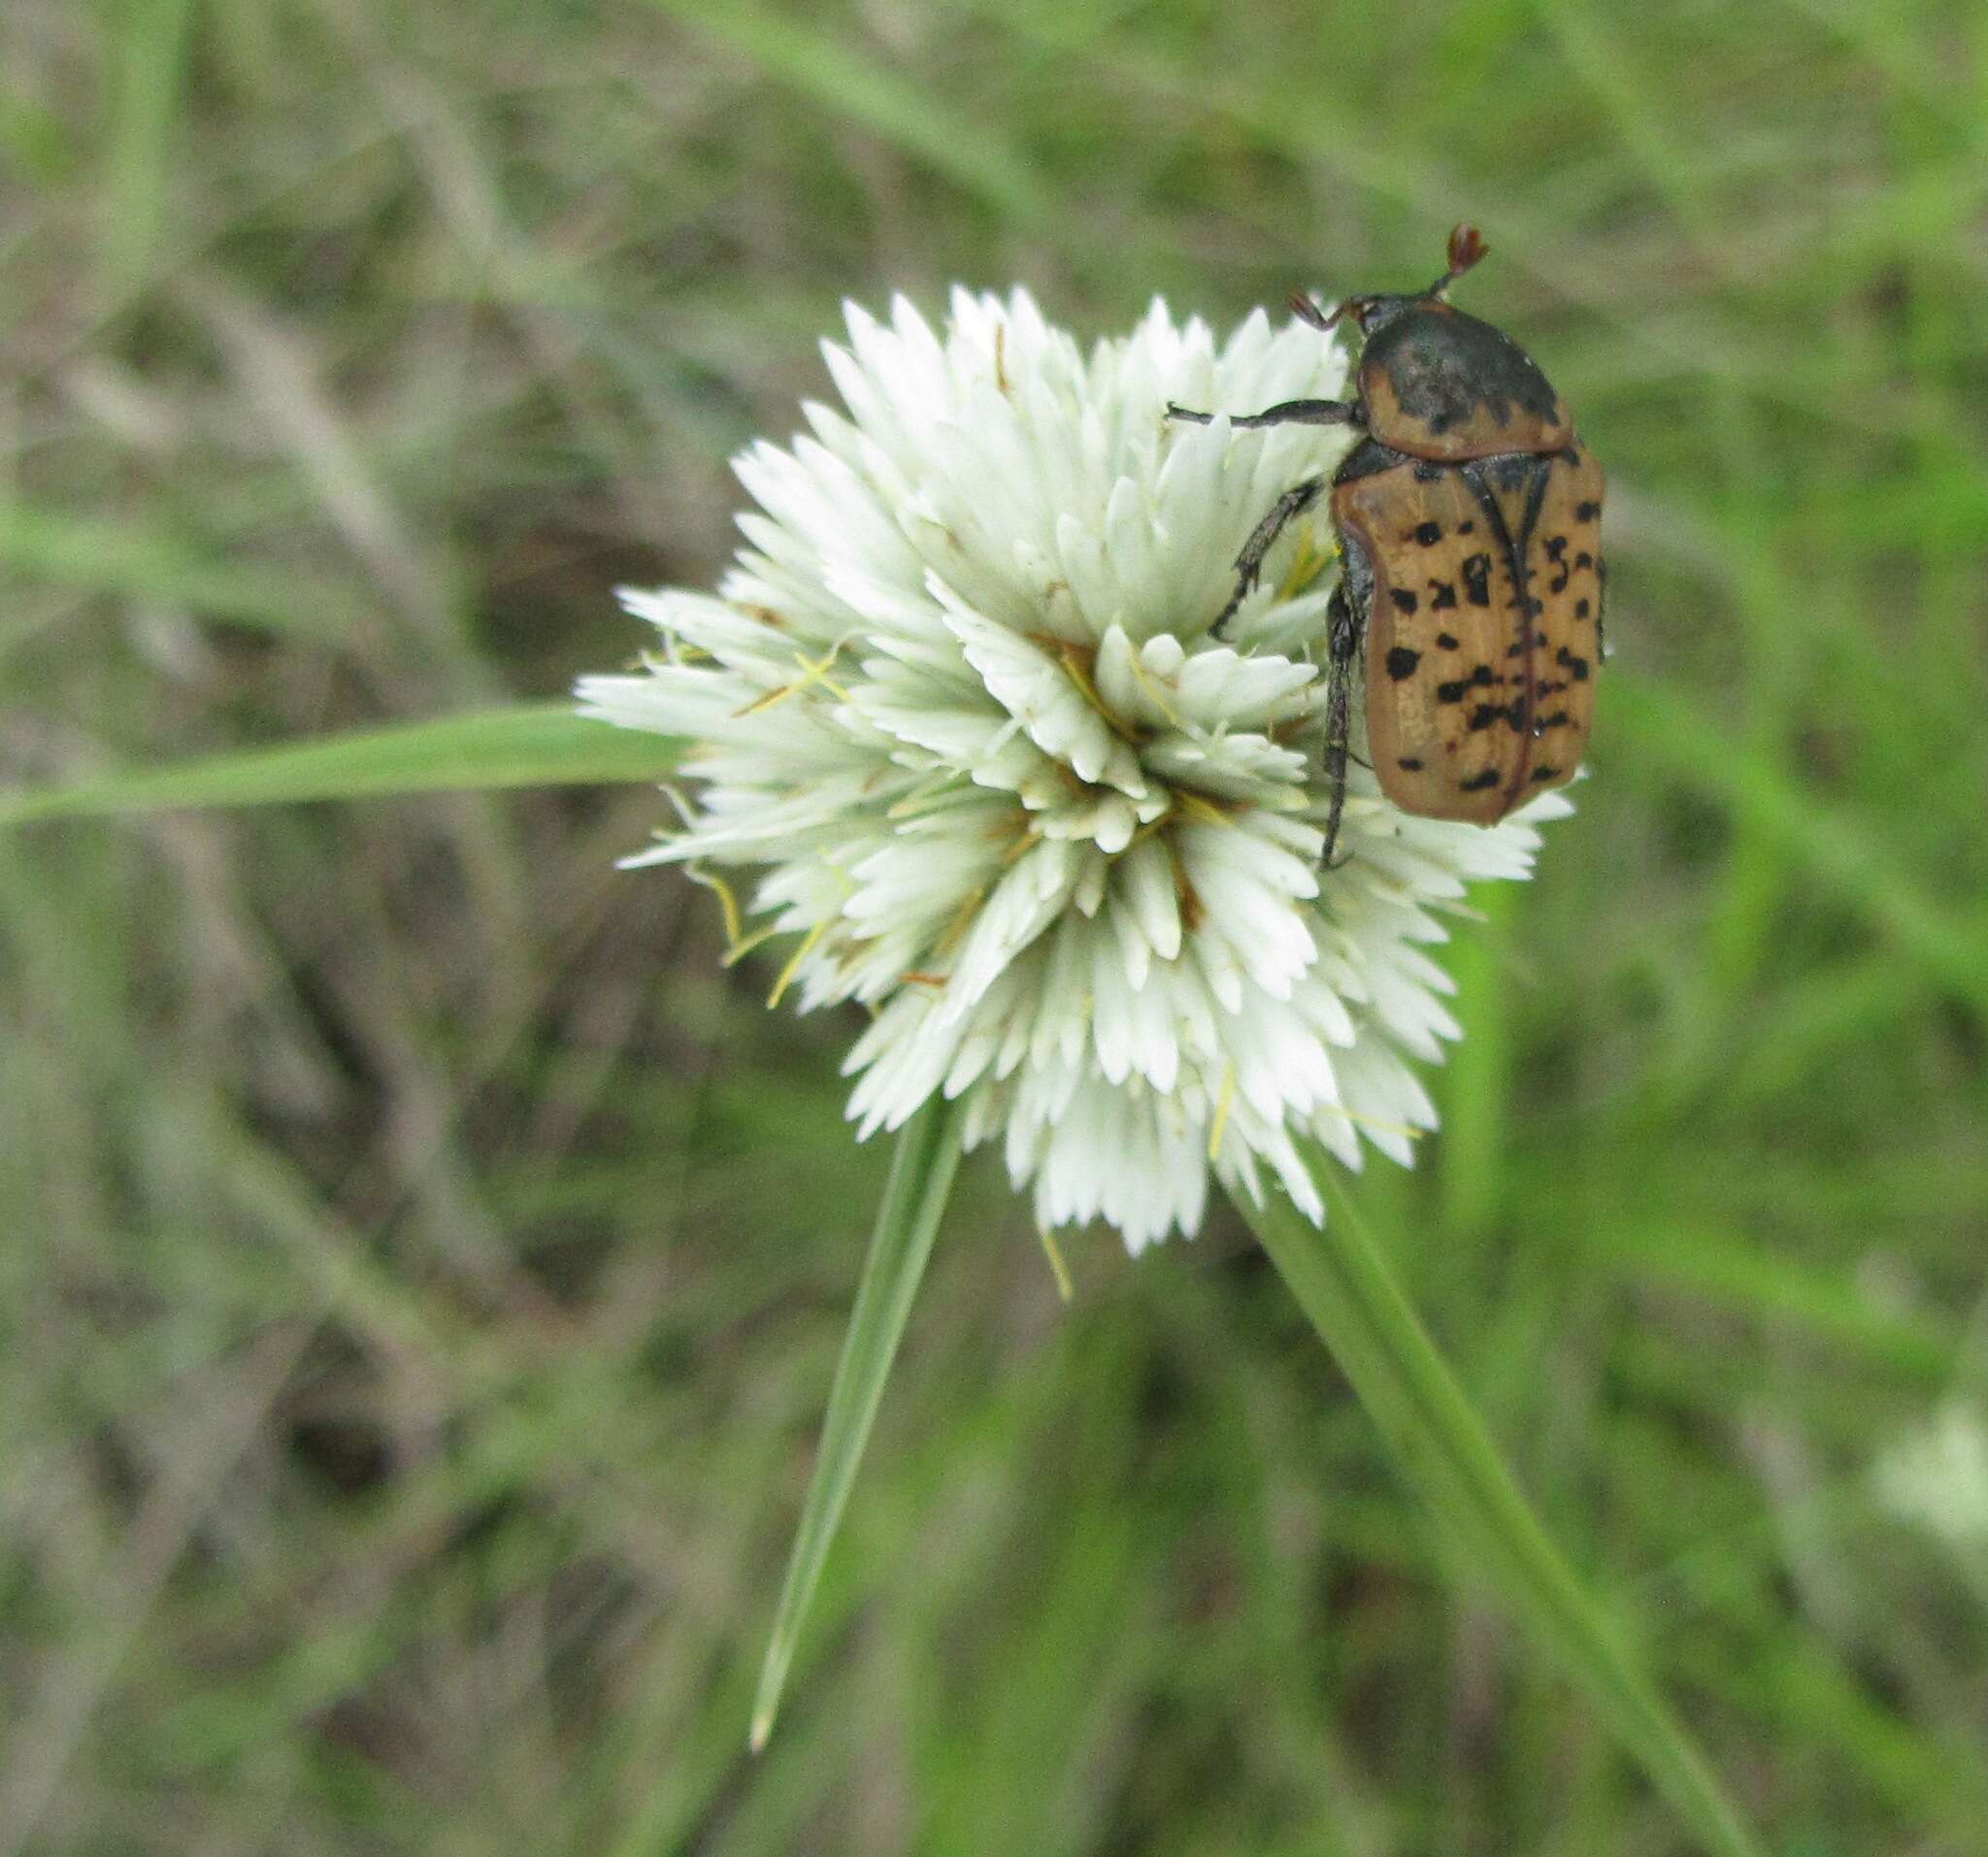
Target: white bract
{"type": "Point", "coordinates": [957, 696]}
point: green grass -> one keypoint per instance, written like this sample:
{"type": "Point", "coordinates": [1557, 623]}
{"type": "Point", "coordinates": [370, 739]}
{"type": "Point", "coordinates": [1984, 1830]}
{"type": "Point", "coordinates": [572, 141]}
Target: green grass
{"type": "Point", "coordinates": [423, 1266]}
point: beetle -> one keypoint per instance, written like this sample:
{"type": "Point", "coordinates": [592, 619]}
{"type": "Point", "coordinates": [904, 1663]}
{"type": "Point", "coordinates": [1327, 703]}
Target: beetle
{"type": "Point", "coordinates": [1467, 515]}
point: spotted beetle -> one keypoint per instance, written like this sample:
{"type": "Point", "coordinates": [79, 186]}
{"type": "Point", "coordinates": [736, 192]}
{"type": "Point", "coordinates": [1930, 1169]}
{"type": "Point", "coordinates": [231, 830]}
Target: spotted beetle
{"type": "Point", "coordinates": [1468, 519]}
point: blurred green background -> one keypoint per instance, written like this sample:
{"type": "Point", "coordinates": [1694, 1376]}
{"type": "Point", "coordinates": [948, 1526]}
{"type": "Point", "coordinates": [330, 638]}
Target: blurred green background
{"type": "Point", "coordinates": [422, 1266]}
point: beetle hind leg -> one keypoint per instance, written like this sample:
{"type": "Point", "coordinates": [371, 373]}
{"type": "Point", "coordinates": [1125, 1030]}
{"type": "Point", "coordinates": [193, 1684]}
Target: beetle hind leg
{"type": "Point", "coordinates": [1295, 501]}
{"type": "Point", "coordinates": [1343, 650]}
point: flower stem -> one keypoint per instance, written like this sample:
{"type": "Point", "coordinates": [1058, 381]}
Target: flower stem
{"type": "Point", "coordinates": [1342, 1282]}
{"type": "Point", "coordinates": [914, 1199]}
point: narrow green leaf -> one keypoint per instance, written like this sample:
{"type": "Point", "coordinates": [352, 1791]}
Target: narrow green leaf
{"type": "Point", "coordinates": [534, 744]}
{"type": "Point", "coordinates": [906, 1222]}
{"type": "Point", "coordinates": [148, 86]}
{"type": "Point", "coordinates": [1343, 1286]}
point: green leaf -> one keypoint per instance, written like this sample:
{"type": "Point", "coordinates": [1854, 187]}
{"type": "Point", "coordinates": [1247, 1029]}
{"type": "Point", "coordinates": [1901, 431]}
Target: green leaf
{"type": "Point", "coordinates": [1344, 1284]}
{"type": "Point", "coordinates": [906, 1222]}
{"type": "Point", "coordinates": [537, 745]}
{"type": "Point", "coordinates": [148, 86]}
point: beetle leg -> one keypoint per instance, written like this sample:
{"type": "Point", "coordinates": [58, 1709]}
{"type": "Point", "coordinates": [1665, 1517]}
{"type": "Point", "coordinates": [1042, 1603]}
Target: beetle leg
{"type": "Point", "coordinates": [1298, 498]}
{"type": "Point", "coordinates": [1343, 648]}
{"type": "Point", "coordinates": [1284, 412]}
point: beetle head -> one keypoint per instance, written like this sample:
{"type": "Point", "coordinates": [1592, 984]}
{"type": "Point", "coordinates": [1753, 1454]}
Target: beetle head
{"type": "Point", "coordinates": [1467, 247]}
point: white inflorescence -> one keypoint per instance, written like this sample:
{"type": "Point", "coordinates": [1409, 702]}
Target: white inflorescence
{"type": "Point", "coordinates": [958, 697]}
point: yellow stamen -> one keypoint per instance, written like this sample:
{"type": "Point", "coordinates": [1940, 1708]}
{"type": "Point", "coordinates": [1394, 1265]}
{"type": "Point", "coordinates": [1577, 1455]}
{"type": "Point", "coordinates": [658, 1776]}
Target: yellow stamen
{"type": "Point", "coordinates": [813, 671]}
{"type": "Point", "coordinates": [799, 955]}
{"type": "Point", "coordinates": [1071, 657]}
{"type": "Point", "coordinates": [962, 918]}
{"type": "Point", "coordinates": [1202, 811]}
{"type": "Point", "coordinates": [1031, 837]}
{"type": "Point", "coordinates": [1145, 683]}
{"type": "Point", "coordinates": [738, 949]}
{"type": "Point", "coordinates": [1308, 564]}
{"type": "Point", "coordinates": [1405, 1129]}
{"type": "Point", "coordinates": [728, 904]}
{"type": "Point", "coordinates": [1058, 1269]}
{"type": "Point", "coordinates": [1219, 1125]}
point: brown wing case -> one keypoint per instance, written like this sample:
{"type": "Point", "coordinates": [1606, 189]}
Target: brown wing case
{"type": "Point", "coordinates": [1474, 702]}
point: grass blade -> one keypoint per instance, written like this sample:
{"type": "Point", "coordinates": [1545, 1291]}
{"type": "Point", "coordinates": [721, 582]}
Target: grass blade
{"type": "Point", "coordinates": [148, 80]}
{"type": "Point", "coordinates": [1343, 1286]}
{"type": "Point", "coordinates": [533, 745]}
{"type": "Point", "coordinates": [913, 1203]}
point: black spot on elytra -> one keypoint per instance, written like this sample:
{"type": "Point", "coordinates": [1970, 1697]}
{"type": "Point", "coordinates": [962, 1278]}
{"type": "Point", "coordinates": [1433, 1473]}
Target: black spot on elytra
{"type": "Point", "coordinates": [1556, 552]}
{"type": "Point", "coordinates": [1577, 665]}
{"type": "Point", "coordinates": [1408, 764]}
{"type": "Point", "coordinates": [1559, 719]}
{"type": "Point", "coordinates": [1476, 570]}
{"type": "Point", "coordinates": [1427, 534]}
{"type": "Point", "coordinates": [1581, 608]}
{"type": "Point", "coordinates": [1402, 662]}
{"type": "Point", "coordinates": [1533, 607]}
{"type": "Point", "coordinates": [1467, 528]}
{"type": "Point", "coordinates": [1586, 512]}
{"type": "Point", "coordinates": [1405, 600]}
{"type": "Point", "coordinates": [1451, 692]}
{"type": "Point", "coordinates": [1482, 675]}
{"type": "Point", "coordinates": [1544, 773]}
{"type": "Point", "coordinates": [1446, 640]}
{"type": "Point", "coordinates": [1477, 782]}
{"type": "Point", "coordinates": [1583, 559]}
{"type": "Point", "coordinates": [1483, 715]}
{"type": "Point", "coordinates": [1442, 596]}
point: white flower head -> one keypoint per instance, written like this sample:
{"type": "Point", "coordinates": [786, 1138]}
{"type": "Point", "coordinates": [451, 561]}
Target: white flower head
{"type": "Point", "coordinates": [958, 696]}
{"type": "Point", "coordinates": [1937, 1475]}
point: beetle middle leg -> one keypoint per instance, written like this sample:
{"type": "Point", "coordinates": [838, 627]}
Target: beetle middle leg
{"type": "Point", "coordinates": [1295, 501]}
{"type": "Point", "coordinates": [1343, 650]}
{"type": "Point", "coordinates": [1284, 412]}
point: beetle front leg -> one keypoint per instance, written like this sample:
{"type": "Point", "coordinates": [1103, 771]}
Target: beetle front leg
{"type": "Point", "coordinates": [1343, 650]}
{"type": "Point", "coordinates": [1295, 501]}
{"type": "Point", "coordinates": [1284, 412]}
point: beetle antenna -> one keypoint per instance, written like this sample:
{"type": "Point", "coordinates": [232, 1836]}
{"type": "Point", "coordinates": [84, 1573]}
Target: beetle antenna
{"type": "Point", "coordinates": [1467, 247]}
{"type": "Point", "coordinates": [1306, 310]}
